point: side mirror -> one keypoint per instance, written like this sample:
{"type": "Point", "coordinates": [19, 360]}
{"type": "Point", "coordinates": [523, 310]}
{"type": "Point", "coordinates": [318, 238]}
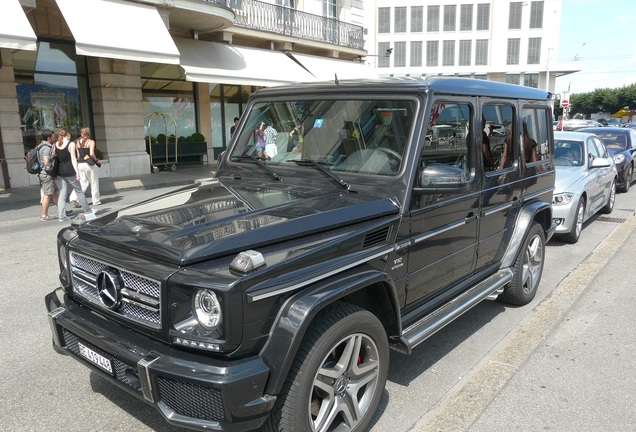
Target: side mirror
{"type": "Point", "coordinates": [440, 178]}
{"type": "Point", "coordinates": [600, 162]}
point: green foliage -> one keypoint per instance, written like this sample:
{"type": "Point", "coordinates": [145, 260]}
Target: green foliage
{"type": "Point", "coordinates": [161, 138]}
{"type": "Point", "coordinates": [99, 153]}
{"type": "Point", "coordinates": [604, 100]}
{"type": "Point", "coordinates": [197, 137]}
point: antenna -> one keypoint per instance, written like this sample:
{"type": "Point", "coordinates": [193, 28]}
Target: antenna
{"type": "Point", "coordinates": [336, 80]}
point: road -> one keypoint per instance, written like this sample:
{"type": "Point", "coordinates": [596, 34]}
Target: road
{"type": "Point", "coordinates": [41, 390]}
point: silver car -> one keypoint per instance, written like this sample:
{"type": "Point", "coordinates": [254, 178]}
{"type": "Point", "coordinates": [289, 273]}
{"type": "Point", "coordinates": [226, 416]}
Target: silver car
{"type": "Point", "coordinates": [585, 182]}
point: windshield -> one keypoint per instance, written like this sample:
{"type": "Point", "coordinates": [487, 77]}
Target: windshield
{"type": "Point", "coordinates": [568, 153]}
{"type": "Point", "coordinates": [357, 136]}
{"type": "Point", "coordinates": [613, 139]}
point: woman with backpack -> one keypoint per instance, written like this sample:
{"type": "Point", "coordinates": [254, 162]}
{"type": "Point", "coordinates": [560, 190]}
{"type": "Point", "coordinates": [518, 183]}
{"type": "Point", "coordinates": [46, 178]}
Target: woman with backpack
{"type": "Point", "coordinates": [68, 176]}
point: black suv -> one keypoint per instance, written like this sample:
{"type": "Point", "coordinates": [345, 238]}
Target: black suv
{"type": "Point", "coordinates": [345, 219]}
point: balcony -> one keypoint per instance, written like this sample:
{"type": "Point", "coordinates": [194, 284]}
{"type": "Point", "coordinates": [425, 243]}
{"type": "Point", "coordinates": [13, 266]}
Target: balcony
{"type": "Point", "coordinates": [282, 20]}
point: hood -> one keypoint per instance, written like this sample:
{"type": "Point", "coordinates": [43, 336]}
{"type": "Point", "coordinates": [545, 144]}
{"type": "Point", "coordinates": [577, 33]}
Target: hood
{"type": "Point", "coordinates": [210, 220]}
{"type": "Point", "coordinates": [566, 177]}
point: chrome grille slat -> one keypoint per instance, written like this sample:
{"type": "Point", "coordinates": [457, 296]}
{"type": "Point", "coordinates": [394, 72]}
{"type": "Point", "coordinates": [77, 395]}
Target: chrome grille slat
{"type": "Point", "coordinates": [141, 296]}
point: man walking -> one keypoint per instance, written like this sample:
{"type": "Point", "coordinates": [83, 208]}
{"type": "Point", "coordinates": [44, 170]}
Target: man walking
{"type": "Point", "coordinates": [271, 149]}
{"type": "Point", "coordinates": [47, 183]}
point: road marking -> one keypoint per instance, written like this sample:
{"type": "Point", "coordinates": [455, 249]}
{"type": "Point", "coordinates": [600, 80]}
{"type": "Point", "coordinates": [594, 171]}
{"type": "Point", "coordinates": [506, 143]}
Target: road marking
{"type": "Point", "coordinates": [469, 398]}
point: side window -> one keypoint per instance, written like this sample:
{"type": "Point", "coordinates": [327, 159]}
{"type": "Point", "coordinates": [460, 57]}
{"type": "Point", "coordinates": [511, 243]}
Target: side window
{"type": "Point", "coordinates": [534, 129]}
{"type": "Point", "coordinates": [592, 149]}
{"type": "Point", "coordinates": [497, 132]}
{"type": "Point", "coordinates": [602, 151]}
{"type": "Point", "coordinates": [446, 160]}
{"type": "Point", "coordinates": [447, 136]}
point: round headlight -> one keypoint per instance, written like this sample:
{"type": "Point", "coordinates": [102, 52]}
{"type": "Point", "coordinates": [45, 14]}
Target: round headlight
{"type": "Point", "coordinates": [207, 309]}
{"type": "Point", "coordinates": [619, 158]}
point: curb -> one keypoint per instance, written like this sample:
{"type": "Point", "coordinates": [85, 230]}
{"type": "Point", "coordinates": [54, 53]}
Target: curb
{"type": "Point", "coordinates": [465, 403]}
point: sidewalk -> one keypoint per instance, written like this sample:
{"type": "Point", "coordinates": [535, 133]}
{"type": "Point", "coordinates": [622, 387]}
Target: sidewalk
{"type": "Point", "coordinates": [182, 176]}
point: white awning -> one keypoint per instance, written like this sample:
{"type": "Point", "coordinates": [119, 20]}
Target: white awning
{"type": "Point", "coordinates": [325, 69]}
{"type": "Point", "coordinates": [16, 31]}
{"type": "Point", "coordinates": [213, 62]}
{"type": "Point", "coordinates": [120, 30]}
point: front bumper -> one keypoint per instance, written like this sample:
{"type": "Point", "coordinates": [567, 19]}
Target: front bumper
{"type": "Point", "coordinates": [564, 216]}
{"type": "Point", "coordinates": [190, 390]}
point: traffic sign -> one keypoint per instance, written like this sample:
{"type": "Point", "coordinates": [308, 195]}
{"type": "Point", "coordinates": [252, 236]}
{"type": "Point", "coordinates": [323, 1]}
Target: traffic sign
{"type": "Point", "coordinates": [565, 103]}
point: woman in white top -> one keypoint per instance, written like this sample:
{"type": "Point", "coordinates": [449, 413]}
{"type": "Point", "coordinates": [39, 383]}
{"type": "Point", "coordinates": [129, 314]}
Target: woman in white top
{"type": "Point", "coordinates": [86, 162]}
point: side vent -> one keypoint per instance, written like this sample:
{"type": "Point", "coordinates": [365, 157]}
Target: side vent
{"type": "Point", "coordinates": [376, 237]}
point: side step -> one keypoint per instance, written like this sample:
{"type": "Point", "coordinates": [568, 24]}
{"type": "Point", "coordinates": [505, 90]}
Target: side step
{"type": "Point", "coordinates": [436, 320]}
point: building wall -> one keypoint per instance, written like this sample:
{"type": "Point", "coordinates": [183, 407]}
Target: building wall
{"type": "Point", "coordinates": [115, 87]}
{"type": "Point", "coordinates": [10, 128]}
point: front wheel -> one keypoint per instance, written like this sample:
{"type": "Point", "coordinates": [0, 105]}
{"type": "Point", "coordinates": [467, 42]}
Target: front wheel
{"type": "Point", "coordinates": [338, 376]}
{"type": "Point", "coordinates": [577, 226]}
{"type": "Point", "coordinates": [528, 268]}
{"type": "Point", "coordinates": [609, 205]}
{"type": "Point", "coordinates": [628, 178]}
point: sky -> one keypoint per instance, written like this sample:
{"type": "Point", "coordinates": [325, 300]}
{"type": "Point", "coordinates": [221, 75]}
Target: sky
{"type": "Point", "coordinates": [598, 37]}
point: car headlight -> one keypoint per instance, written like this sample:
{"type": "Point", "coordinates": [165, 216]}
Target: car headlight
{"type": "Point", "coordinates": [562, 198]}
{"type": "Point", "coordinates": [207, 309]}
{"type": "Point", "coordinates": [619, 158]}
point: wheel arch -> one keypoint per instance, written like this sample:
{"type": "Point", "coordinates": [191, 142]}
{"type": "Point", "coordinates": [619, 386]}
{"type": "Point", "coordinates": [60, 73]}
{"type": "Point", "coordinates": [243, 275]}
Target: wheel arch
{"type": "Point", "coordinates": [534, 211]}
{"type": "Point", "coordinates": [366, 287]}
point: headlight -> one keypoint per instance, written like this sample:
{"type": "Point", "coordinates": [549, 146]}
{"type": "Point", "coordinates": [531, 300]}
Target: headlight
{"type": "Point", "coordinates": [63, 257]}
{"type": "Point", "coordinates": [562, 198]}
{"type": "Point", "coordinates": [207, 309]}
{"type": "Point", "coordinates": [619, 158]}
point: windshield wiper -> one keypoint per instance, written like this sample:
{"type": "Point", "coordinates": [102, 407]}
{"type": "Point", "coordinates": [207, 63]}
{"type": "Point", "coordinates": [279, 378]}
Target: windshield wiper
{"type": "Point", "coordinates": [319, 167]}
{"type": "Point", "coordinates": [267, 169]}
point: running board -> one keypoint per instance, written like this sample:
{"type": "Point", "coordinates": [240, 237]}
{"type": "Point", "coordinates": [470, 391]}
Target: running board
{"type": "Point", "coordinates": [436, 320]}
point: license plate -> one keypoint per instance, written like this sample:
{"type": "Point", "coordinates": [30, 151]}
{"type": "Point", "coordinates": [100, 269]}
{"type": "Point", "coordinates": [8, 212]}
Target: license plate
{"type": "Point", "coordinates": [95, 358]}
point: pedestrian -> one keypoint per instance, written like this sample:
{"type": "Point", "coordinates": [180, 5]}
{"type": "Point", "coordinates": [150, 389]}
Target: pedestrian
{"type": "Point", "coordinates": [48, 188]}
{"type": "Point", "coordinates": [68, 176]}
{"type": "Point", "coordinates": [234, 126]}
{"type": "Point", "coordinates": [270, 134]}
{"type": "Point", "coordinates": [260, 141]}
{"type": "Point", "coordinates": [87, 163]}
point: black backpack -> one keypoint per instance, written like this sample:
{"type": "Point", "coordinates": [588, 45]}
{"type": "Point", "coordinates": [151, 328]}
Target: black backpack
{"type": "Point", "coordinates": [33, 160]}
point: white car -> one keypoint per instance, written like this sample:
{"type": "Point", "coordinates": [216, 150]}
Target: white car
{"type": "Point", "coordinates": [585, 182]}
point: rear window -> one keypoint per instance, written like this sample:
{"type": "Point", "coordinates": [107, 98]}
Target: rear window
{"type": "Point", "coordinates": [613, 139]}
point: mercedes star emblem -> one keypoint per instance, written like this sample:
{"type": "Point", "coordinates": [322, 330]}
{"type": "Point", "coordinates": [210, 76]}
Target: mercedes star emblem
{"type": "Point", "coordinates": [109, 285]}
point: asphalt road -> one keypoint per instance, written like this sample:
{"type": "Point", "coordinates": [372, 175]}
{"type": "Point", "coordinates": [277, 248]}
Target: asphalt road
{"type": "Point", "coordinates": [42, 391]}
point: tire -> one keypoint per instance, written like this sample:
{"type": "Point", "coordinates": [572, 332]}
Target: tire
{"type": "Point", "coordinates": [528, 269]}
{"type": "Point", "coordinates": [628, 178]}
{"type": "Point", "coordinates": [575, 233]}
{"type": "Point", "coordinates": [611, 200]}
{"type": "Point", "coordinates": [338, 377]}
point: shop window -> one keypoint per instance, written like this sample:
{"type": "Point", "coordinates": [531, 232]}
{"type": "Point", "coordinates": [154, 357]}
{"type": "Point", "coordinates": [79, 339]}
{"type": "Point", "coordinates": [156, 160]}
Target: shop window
{"type": "Point", "coordinates": [51, 90]}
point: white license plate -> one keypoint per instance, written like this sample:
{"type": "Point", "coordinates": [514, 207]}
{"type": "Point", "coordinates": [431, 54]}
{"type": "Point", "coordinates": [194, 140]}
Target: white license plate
{"type": "Point", "coordinates": [95, 358]}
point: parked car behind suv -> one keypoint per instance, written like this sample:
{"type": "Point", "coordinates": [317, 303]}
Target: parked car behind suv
{"type": "Point", "coordinates": [621, 145]}
{"type": "Point", "coordinates": [585, 182]}
{"type": "Point", "coordinates": [269, 297]}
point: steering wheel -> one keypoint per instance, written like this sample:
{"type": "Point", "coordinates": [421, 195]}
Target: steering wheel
{"type": "Point", "coordinates": [570, 161]}
{"type": "Point", "coordinates": [395, 159]}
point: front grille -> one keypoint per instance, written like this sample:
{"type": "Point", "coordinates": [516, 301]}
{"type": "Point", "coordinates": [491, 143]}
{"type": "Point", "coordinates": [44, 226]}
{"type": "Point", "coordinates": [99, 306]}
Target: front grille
{"type": "Point", "coordinates": [191, 400]}
{"type": "Point", "coordinates": [124, 372]}
{"type": "Point", "coordinates": [140, 296]}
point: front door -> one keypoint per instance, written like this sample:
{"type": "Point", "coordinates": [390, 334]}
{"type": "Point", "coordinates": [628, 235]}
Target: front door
{"type": "Point", "coordinates": [444, 226]}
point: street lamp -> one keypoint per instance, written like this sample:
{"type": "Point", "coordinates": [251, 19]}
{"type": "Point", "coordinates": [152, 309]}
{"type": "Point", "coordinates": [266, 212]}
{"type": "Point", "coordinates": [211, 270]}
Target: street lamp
{"type": "Point", "coordinates": [387, 53]}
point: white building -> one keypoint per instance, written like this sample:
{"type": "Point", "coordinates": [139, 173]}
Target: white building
{"type": "Point", "coordinates": [499, 40]}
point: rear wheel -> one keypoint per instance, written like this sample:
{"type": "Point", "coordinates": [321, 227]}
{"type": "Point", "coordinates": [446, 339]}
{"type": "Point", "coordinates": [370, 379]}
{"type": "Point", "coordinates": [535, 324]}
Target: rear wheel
{"type": "Point", "coordinates": [609, 206]}
{"type": "Point", "coordinates": [338, 376]}
{"type": "Point", "coordinates": [575, 233]}
{"type": "Point", "coordinates": [528, 268]}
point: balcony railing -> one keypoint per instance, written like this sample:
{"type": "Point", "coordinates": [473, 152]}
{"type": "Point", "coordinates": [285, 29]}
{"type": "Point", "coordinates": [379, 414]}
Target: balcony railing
{"type": "Point", "coordinates": [254, 14]}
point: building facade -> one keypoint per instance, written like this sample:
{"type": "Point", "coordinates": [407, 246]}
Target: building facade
{"type": "Point", "coordinates": [498, 40]}
{"type": "Point", "coordinates": [150, 71]}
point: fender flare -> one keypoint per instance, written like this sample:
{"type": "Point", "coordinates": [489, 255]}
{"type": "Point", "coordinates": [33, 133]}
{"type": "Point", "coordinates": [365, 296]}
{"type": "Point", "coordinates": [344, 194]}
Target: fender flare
{"type": "Point", "coordinates": [527, 214]}
{"type": "Point", "coordinates": [298, 312]}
